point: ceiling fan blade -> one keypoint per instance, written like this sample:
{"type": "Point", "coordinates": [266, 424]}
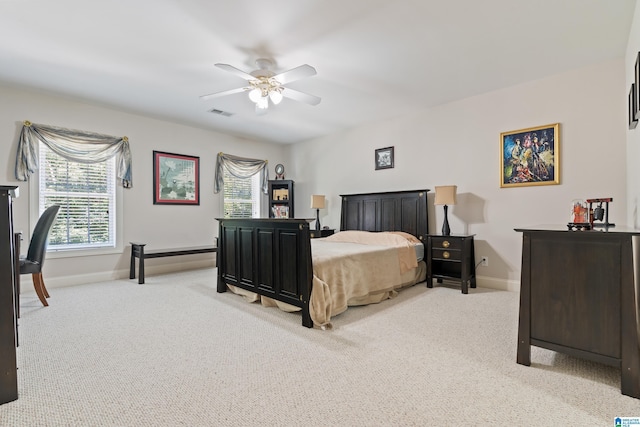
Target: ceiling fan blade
{"type": "Point", "coordinates": [225, 93]}
{"type": "Point", "coordinates": [301, 96]}
{"type": "Point", "coordinates": [236, 71]}
{"type": "Point", "coordinates": [295, 74]}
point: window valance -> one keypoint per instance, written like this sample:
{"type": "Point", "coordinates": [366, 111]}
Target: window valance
{"type": "Point", "coordinates": [75, 145]}
{"type": "Point", "coordinates": [240, 167]}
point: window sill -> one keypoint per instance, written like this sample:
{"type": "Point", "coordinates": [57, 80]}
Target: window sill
{"type": "Point", "coordinates": [77, 253]}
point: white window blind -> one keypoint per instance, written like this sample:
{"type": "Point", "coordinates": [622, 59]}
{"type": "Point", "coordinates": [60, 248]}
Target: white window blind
{"type": "Point", "coordinates": [86, 194]}
{"type": "Point", "coordinates": [241, 196]}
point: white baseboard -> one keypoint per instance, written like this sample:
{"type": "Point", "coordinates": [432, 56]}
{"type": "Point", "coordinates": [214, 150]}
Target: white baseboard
{"type": "Point", "coordinates": [499, 284]}
{"type": "Point", "coordinates": [164, 268]}
{"type": "Point", "coordinates": [150, 271]}
{"type": "Point", "coordinates": [105, 276]}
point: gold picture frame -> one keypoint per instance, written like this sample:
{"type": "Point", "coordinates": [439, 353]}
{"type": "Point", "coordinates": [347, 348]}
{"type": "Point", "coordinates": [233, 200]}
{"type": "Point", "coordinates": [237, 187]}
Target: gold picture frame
{"type": "Point", "coordinates": [530, 156]}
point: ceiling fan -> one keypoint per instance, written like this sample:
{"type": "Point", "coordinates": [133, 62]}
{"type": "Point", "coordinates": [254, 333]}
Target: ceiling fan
{"type": "Point", "coordinates": [265, 86]}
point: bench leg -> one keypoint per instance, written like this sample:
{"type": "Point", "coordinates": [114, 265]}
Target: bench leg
{"type": "Point", "coordinates": [132, 267]}
{"type": "Point", "coordinates": [141, 269]}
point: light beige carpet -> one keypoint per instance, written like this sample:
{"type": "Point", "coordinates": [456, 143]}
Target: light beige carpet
{"type": "Point", "coordinates": [173, 352]}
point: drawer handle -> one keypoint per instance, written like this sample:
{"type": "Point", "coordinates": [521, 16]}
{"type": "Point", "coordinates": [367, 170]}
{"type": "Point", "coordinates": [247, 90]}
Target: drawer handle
{"type": "Point", "coordinates": [446, 254]}
{"type": "Point", "coordinates": [446, 244]}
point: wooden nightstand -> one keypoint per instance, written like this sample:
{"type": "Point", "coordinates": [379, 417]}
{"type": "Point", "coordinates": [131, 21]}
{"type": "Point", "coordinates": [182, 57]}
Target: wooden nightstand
{"type": "Point", "coordinates": [451, 258]}
{"type": "Point", "coordinates": [321, 233]}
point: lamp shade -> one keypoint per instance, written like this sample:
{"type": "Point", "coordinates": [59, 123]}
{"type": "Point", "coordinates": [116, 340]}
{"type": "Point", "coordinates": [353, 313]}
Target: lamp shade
{"type": "Point", "coordinates": [446, 195]}
{"type": "Point", "coordinates": [317, 201]}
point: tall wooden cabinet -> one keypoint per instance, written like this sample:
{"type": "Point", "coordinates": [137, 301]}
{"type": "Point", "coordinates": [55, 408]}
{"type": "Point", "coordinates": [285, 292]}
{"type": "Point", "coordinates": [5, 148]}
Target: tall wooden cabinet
{"type": "Point", "coordinates": [8, 277]}
{"type": "Point", "coordinates": [281, 198]}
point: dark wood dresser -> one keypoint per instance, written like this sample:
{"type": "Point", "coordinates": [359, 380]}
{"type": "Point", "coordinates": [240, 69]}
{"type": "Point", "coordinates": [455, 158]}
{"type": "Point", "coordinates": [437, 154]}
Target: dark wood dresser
{"type": "Point", "coordinates": [8, 277]}
{"type": "Point", "coordinates": [579, 296]}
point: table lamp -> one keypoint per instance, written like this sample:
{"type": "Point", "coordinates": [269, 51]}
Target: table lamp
{"type": "Point", "coordinates": [317, 203]}
{"type": "Point", "coordinates": [445, 195]}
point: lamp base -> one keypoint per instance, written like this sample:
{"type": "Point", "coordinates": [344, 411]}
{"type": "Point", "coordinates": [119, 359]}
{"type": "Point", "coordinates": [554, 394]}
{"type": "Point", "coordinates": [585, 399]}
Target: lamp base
{"type": "Point", "coordinates": [446, 231]}
{"type": "Point", "coordinates": [317, 219]}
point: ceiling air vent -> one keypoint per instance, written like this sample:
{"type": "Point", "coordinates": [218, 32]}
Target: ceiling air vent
{"type": "Point", "coordinates": [220, 112]}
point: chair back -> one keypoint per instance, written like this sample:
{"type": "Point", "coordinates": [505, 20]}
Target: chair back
{"type": "Point", "coordinates": [39, 239]}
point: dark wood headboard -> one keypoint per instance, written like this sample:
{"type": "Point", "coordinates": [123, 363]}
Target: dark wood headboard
{"type": "Point", "coordinates": [391, 211]}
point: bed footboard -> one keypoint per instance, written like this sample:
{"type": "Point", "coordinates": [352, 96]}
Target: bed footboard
{"type": "Point", "coordinates": [271, 257]}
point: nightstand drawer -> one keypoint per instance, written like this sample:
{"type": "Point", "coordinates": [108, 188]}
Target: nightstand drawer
{"type": "Point", "coordinates": [446, 254]}
{"type": "Point", "coordinates": [446, 243]}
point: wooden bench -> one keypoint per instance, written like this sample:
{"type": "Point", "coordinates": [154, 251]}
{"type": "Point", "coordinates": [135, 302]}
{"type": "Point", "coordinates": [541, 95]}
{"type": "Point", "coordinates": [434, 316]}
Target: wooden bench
{"type": "Point", "coordinates": [138, 251]}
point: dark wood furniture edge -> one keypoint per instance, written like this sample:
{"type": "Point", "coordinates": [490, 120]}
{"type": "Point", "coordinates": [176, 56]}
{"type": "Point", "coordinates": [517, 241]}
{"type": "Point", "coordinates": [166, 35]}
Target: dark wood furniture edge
{"type": "Point", "coordinates": [630, 324]}
{"type": "Point", "coordinates": [17, 241]}
{"type": "Point", "coordinates": [582, 354]}
{"type": "Point", "coordinates": [8, 319]}
{"type": "Point", "coordinates": [353, 214]}
{"type": "Point", "coordinates": [270, 246]}
{"type": "Point", "coordinates": [629, 360]}
{"type": "Point", "coordinates": [524, 319]}
{"type": "Point", "coordinates": [315, 234]}
{"type": "Point", "coordinates": [138, 251]}
{"type": "Point", "coordinates": [410, 214]}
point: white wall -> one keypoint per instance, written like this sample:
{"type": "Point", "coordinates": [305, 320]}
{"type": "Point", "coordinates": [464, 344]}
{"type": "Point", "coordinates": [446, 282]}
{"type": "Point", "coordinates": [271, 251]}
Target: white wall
{"type": "Point", "coordinates": [633, 136]}
{"type": "Point", "coordinates": [158, 225]}
{"type": "Point", "coordinates": [459, 143]}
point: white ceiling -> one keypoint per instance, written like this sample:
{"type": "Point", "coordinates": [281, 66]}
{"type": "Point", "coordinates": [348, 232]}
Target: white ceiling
{"type": "Point", "coordinates": [375, 59]}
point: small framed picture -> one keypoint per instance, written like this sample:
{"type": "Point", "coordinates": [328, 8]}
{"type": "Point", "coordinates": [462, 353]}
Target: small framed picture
{"type": "Point", "coordinates": [384, 158]}
{"type": "Point", "coordinates": [175, 179]}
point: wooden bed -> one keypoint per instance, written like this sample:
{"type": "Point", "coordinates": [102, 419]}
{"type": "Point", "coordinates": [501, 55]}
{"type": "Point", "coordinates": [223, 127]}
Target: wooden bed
{"type": "Point", "coordinates": [272, 257]}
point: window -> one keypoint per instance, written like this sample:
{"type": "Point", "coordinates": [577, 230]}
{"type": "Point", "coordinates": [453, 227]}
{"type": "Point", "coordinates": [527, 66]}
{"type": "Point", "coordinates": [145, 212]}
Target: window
{"type": "Point", "coordinates": [86, 194]}
{"type": "Point", "coordinates": [241, 196]}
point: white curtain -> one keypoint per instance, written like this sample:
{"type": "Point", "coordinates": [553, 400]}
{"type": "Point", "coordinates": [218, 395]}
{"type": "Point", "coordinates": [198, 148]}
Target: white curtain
{"type": "Point", "coordinates": [240, 167]}
{"type": "Point", "coordinates": [75, 145]}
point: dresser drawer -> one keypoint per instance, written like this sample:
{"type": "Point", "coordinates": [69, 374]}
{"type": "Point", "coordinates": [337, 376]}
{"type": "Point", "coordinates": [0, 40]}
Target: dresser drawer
{"type": "Point", "coordinates": [446, 243]}
{"type": "Point", "coordinates": [446, 254]}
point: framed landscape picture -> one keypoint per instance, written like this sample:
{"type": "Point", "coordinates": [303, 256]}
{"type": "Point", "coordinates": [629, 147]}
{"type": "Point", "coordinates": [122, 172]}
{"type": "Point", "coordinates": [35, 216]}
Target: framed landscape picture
{"type": "Point", "coordinates": [176, 179]}
{"type": "Point", "coordinates": [530, 156]}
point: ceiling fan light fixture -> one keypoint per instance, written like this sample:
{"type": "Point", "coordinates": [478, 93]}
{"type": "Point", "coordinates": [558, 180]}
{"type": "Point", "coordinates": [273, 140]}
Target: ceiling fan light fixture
{"type": "Point", "coordinates": [255, 95]}
{"type": "Point", "coordinates": [263, 103]}
{"type": "Point", "coordinates": [276, 96]}
{"type": "Point", "coordinates": [267, 87]}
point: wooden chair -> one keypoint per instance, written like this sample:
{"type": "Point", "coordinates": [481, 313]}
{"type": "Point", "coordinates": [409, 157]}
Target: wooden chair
{"type": "Point", "coordinates": [33, 261]}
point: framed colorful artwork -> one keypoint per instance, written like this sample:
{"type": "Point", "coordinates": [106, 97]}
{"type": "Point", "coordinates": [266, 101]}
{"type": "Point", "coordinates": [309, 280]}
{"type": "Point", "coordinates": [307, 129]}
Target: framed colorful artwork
{"type": "Point", "coordinates": [530, 156]}
{"type": "Point", "coordinates": [176, 179]}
